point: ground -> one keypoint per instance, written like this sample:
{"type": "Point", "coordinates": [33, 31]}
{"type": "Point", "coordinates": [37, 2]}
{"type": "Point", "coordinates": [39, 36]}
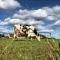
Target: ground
{"type": "Point", "coordinates": [26, 49]}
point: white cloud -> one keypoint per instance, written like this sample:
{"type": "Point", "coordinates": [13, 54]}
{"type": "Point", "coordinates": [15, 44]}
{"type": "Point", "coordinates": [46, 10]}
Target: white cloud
{"type": "Point", "coordinates": [50, 17]}
{"type": "Point", "coordinates": [40, 27]}
{"type": "Point", "coordinates": [42, 14]}
{"type": "Point", "coordinates": [30, 17]}
{"type": "Point", "coordinates": [47, 30]}
{"type": "Point", "coordinates": [39, 13]}
{"type": "Point", "coordinates": [26, 17]}
{"type": "Point", "coordinates": [8, 21]}
{"type": "Point", "coordinates": [57, 22]}
{"type": "Point", "coordinates": [34, 22]}
{"type": "Point", "coordinates": [3, 29]}
{"type": "Point", "coordinates": [56, 9]}
{"type": "Point", "coordinates": [9, 4]}
{"type": "Point", "coordinates": [3, 23]}
{"type": "Point", "coordinates": [53, 13]}
{"type": "Point", "coordinates": [49, 10]}
{"type": "Point", "coordinates": [26, 14]}
{"type": "Point", "coordinates": [44, 29]}
{"type": "Point", "coordinates": [23, 14]}
{"type": "Point", "coordinates": [55, 25]}
{"type": "Point", "coordinates": [15, 21]}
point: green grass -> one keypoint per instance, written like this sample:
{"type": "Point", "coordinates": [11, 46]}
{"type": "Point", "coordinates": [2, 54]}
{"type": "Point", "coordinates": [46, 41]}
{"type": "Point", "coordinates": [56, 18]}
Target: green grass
{"type": "Point", "coordinates": [26, 49]}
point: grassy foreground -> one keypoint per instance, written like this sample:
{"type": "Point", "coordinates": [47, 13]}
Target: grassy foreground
{"type": "Point", "coordinates": [26, 49]}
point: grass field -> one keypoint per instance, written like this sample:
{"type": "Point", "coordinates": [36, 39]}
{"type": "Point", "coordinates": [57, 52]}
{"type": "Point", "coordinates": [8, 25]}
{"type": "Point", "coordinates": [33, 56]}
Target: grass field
{"type": "Point", "coordinates": [26, 49]}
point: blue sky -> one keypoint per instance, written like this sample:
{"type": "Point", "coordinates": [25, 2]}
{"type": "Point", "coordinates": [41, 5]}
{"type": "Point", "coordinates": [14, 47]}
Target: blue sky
{"type": "Point", "coordinates": [45, 14]}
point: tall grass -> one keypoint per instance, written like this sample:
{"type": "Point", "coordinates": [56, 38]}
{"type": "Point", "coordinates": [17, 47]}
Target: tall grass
{"type": "Point", "coordinates": [26, 49]}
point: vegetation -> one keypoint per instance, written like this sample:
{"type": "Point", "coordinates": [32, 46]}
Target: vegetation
{"type": "Point", "coordinates": [26, 49]}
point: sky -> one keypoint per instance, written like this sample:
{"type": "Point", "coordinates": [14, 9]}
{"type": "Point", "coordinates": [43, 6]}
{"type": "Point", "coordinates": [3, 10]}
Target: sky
{"type": "Point", "coordinates": [44, 14]}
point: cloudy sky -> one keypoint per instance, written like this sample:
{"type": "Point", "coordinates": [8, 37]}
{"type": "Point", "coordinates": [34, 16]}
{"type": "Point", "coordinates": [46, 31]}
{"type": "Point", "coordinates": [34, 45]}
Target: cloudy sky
{"type": "Point", "coordinates": [44, 14]}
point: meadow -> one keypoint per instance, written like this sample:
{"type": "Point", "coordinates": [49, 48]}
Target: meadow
{"type": "Point", "coordinates": [27, 49]}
